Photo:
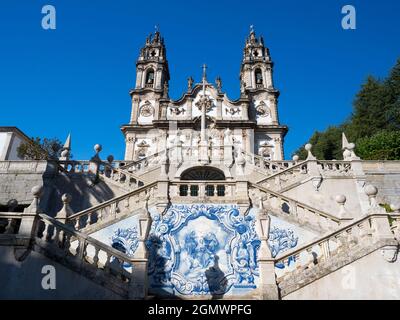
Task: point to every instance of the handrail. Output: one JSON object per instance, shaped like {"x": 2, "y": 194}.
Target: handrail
{"x": 300, "y": 164}
{"x": 326, "y": 237}
{"x": 113, "y": 200}
{"x": 279, "y": 195}
{"x": 82, "y": 236}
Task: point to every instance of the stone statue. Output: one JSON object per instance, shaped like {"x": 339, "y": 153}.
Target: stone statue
{"x": 218, "y": 82}
{"x": 190, "y": 83}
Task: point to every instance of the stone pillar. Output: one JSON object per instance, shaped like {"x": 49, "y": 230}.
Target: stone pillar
{"x": 162, "y": 195}
{"x": 274, "y": 110}
{"x": 219, "y": 108}
{"x": 66, "y": 210}
{"x": 139, "y": 279}
{"x": 189, "y": 108}
{"x": 94, "y": 163}
{"x": 30, "y": 217}
{"x": 245, "y": 111}
{"x": 268, "y": 287}
{"x": 380, "y": 222}
{"x": 135, "y": 110}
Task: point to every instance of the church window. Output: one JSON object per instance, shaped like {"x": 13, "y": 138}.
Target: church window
{"x": 194, "y": 191}
{"x": 150, "y": 77}
{"x": 209, "y": 190}
{"x": 220, "y": 190}
{"x": 183, "y": 190}
{"x": 259, "y": 78}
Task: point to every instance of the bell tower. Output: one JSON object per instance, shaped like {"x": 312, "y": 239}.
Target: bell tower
{"x": 152, "y": 65}
{"x": 257, "y": 86}
{"x": 256, "y": 69}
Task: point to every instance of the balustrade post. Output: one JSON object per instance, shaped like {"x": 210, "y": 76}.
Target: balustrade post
{"x": 30, "y": 218}
{"x": 139, "y": 279}
{"x": 266, "y": 264}
{"x": 94, "y": 163}
{"x": 66, "y": 210}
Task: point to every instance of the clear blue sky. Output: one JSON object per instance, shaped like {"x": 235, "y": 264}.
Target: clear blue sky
{"x": 76, "y": 78}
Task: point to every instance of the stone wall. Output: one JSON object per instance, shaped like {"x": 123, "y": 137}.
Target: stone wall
{"x": 370, "y": 277}
{"x": 18, "y": 177}
{"x": 385, "y": 175}
{"x": 22, "y": 280}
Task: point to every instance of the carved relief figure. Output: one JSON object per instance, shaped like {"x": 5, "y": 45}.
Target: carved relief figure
{"x": 147, "y": 110}
{"x": 263, "y": 110}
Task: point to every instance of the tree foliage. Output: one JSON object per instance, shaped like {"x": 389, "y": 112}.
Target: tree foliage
{"x": 40, "y": 149}
{"x": 373, "y": 123}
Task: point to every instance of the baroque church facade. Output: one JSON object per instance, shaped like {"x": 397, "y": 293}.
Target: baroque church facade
{"x": 203, "y": 205}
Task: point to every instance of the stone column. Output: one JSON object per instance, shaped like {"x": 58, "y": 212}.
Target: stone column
{"x": 139, "y": 279}
{"x": 219, "y": 108}
{"x": 268, "y": 287}
{"x": 189, "y": 108}
{"x": 66, "y": 210}
{"x": 274, "y": 110}
{"x": 135, "y": 109}
{"x": 94, "y": 163}
{"x": 30, "y": 217}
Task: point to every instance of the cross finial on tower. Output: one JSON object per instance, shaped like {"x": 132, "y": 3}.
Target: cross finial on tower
{"x": 251, "y": 28}
{"x": 204, "y": 72}
{"x": 156, "y": 28}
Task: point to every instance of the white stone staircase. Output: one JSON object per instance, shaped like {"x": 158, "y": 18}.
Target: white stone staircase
{"x": 297, "y": 268}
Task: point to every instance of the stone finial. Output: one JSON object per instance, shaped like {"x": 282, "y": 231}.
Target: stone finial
{"x": 218, "y": 82}
{"x": 110, "y": 159}
{"x": 308, "y": 148}
{"x": 341, "y": 200}
{"x": 190, "y": 83}
{"x": 97, "y": 147}
{"x": 12, "y": 205}
{"x": 66, "y": 150}
{"x": 348, "y": 149}
{"x": 295, "y": 158}
{"x": 37, "y": 192}
{"x": 66, "y": 210}
{"x": 371, "y": 191}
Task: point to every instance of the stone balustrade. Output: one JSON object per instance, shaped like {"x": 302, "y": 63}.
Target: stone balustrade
{"x": 271, "y": 166}
{"x": 113, "y": 208}
{"x": 63, "y": 242}
{"x": 364, "y": 231}
{"x": 189, "y": 191}
{"x": 106, "y": 170}
{"x": 335, "y": 167}
{"x": 9, "y": 222}
{"x": 294, "y": 209}
{"x": 284, "y": 178}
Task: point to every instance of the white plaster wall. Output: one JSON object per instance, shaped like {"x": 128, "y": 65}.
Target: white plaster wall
{"x": 370, "y": 277}
{"x": 324, "y": 198}
{"x": 3, "y": 145}
{"x": 13, "y": 152}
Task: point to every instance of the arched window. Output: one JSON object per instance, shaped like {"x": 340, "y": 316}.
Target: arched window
{"x": 259, "y": 77}
{"x": 150, "y": 77}
{"x": 203, "y": 173}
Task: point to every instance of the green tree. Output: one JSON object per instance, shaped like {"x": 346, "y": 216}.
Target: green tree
{"x": 384, "y": 145}
{"x": 40, "y": 149}
{"x": 376, "y": 108}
